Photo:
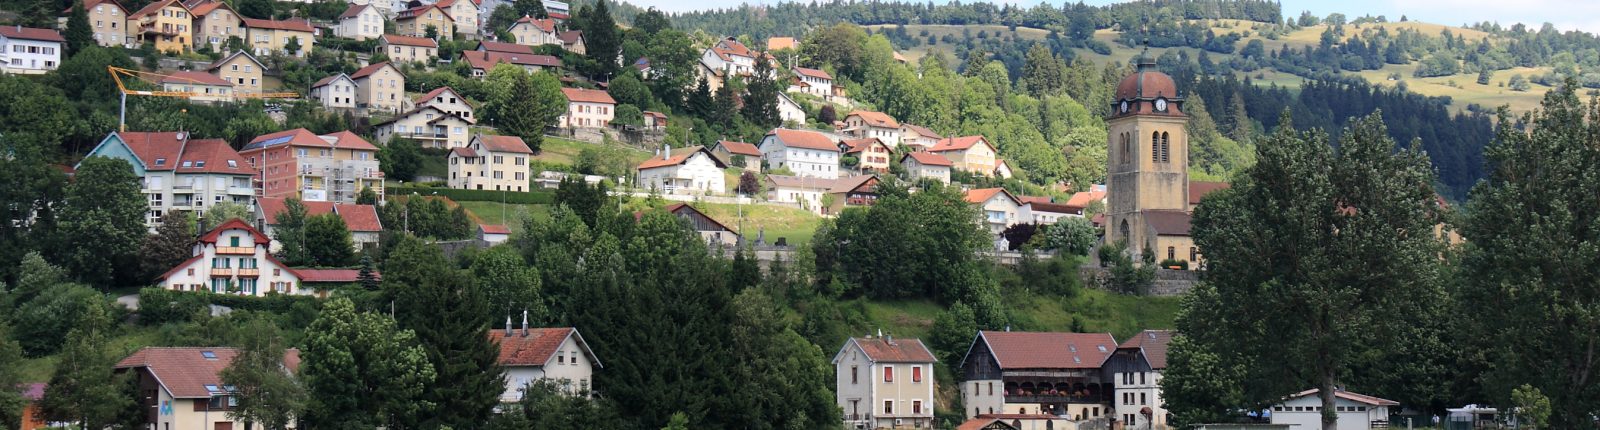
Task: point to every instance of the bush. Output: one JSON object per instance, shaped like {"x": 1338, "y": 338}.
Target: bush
{"x": 1174, "y": 264}
{"x": 521, "y": 198}
{"x": 159, "y": 306}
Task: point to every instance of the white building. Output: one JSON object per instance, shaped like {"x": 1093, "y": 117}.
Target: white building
{"x": 1135, "y": 371}
{"x": 804, "y": 153}
{"x": 29, "y": 51}
{"x": 999, "y": 207}
{"x": 863, "y": 124}
{"x": 428, "y": 125}
{"x": 692, "y": 170}
{"x": 1356, "y": 411}
{"x": 360, "y": 22}
{"x": 917, "y": 137}
{"x": 180, "y": 173}
{"x": 337, "y": 91}
{"x": 884, "y": 383}
{"x": 497, "y": 163}
{"x": 1039, "y": 210}
{"x": 233, "y": 259}
{"x": 812, "y": 81}
{"x": 789, "y": 111}
{"x": 446, "y": 99}
{"x": 925, "y": 165}
{"x": 587, "y": 109}
{"x": 533, "y": 354}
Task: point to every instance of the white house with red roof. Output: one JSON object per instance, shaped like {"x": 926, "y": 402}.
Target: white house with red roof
{"x": 1355, "y": 411}
{"x": 182, "y": 388}
{"x": 730, "y": 57}
{"x": 337, "y": 91}
{"x": 917, "y": 137}
{"x": 804, "y": 153}
{"x": 532, "y": 31}
{"x": 29, "y": 51}
{"x": 408, "y": 49}
{"x": 692, "y": 170}
{"x": 1051, "y": 373}
{"x": 864, "y": 124}
{"x": 1000, "y": 207}
{"x": 871, "y": 153}
{"x": 497, "y": 163}
{"x": 493, "y": 234}
{"x": 360, "y": 22}
{"x": 738, "y": 154}
{"x": 587, "y": 108}
{"x": 970, "y": 153}
{"x": 533, "y": 354}
{"x": 362, "y": 220}
{"x": 1135, "y": 370}
{"x": 883, "y": 382}
{"x": 209, "y": 87}
{"x": 815, "y": 82}
{"x": 298, "y": 163}
{"x": 926, "y": 165}
{"x": 482, "y": 61}
{"x": 233, "y": 258}
{"x": 428, "y": 125}
{"x": 446, "y": 99}
{"x": 178, "y": 172}
{"x": 380, "y": 87}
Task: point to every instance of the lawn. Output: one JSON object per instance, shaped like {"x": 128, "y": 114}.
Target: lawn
{"x": 509, "y": 215}
{"x": 796, "y": 225}
{"x": 558, "y": 150}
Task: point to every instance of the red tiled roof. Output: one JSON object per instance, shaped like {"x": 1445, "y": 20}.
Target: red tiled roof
{"x": 1153, "y": 343}
{"x": 804, "y": 139}
{"x": 462, "y": 151}
{"x": 436, "y": 92}
{"x": 191, "y": 77}
{"x": 347, "y": 140}
{"x": 570, "y": 37}
{"x": 876, "y": 119}
{"x": 581, "y": 95}
{"x": 537, "y": 347}
{"x": 395, "y": 39}
{"x": 504, "y": 144}
{"x": 331, "y": 276}
{"x": 226, "y": 59}
{"x": 510, "y": 48}
{"x": 215, "y": 233}
{"x": 1055, "y": 208}
{"x": 1048, "y": 350}
{"x": 202, "y": 7}
{"x": 859, "y": 145}
{"x": 288, "y": 25}
{"x": 921, "y": 131}
{"x": 1168, "y": 222}
{"x": 557, "y": 15}
{"x": 353, "y": 11}
{"x": 203, "y": 155}
{"x": 16, "y": 32}
{"x": 815, "y": 73}
{"x": 681, "y": 156}
{"x": 153, "y": 7}
{"x": 183, "y": 265}
{"x": 927, "y": 159}
{"x": 1033, "y": 199}
{"x": 1199, "y": 189}
{"x": 90, "y": 4}
{"x": 1359, "y": 398}
{"x": 730, "y": 46}
{"x": 984, "y": 194}
{"x": 494, "y": 229}
{"x": 544, "y": 25}
{"x": 1083, "y": 198}
{"x": 487, "y": 59}
{"x": 297, "y": 137}
{"x": 369, "y": 70}
{"x": 186, "y": 371}
{"x": 739, "y": 148}
{"x": 958, "y": 143}
{"x": 412, "y": 13}
{"x": 211, "y": 156}
{"x": 881, "y": 350}
{"x": 357, "y": 218}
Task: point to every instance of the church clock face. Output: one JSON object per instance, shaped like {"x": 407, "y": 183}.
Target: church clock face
{"x": 1124, "y": 106}
{"x": 1161, "y": 105}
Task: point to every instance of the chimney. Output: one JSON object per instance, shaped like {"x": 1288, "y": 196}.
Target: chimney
{"x": 524, "y": 323}
{"x": 508, "y": 324}
{"x": 880, "y": 333}
{"x": 889, "y": 339}
{"x": 666, "y": 151}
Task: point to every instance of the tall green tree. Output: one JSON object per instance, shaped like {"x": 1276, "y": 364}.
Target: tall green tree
{"x": 104, "y": 207}
{"x": 509, "y": 283}
{"x": 401, "y": 159}
{"x": 361, "y": 371}
{"x": 78, "y": 33}
{"x": 222, "y": 212}
{"x": 526, "y": 104}
{"x": 267, "y": 393}
{"x": 789, "y": 378}
{"x": 451, "y": 318}
{"x": 328, "y": 241}
{"x": 1530, "y": 264}
{"x": 761, "y": 95}
{"x": 172, "y": 243}
{"x": 33, "y": 121}
{"x": 83, "y": 388}
{"x": 602, "y": 41}
{"x": 1335, "y": 251}
{"x": 1042, "y": 72}
{"x": 290, "y": 232}
{"x": 11, "y": 400}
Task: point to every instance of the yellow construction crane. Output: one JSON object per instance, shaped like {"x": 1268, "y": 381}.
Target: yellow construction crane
{"x": 157, "y": 78}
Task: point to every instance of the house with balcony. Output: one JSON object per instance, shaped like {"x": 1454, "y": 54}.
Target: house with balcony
{"x": 335, "y": 92}
{"x": 871, "y": 154}
{"x": 446, "y": 99}
{"x": 30, "y": 51}
{"x": 883, "y": 382}
{"x": 428, "y": 125}
{"x": 1043, "y": 373}
{"x": 804, "y": 153}
{"x": 925, "y": 165}
{"x": 242, "y": 70}
{"x": 416, "y": 21}
{"x": 863, "y": 124}
{"x": 211, "y": 89}
{"x": 587, "y": 108}
{"x": 482, "y": 61}
{"x": 1135, "y": 370}
{"x": 177, "y": 172}
{"x": 715, "y": 233}
{"x": 999, "y": 206}
{"x": 556, "y": 354}
{"x": 360, "y": 22}
{"x": 110, "y": 20}
{"x": 970, "y": 153}
{"x": 182, "y": 388}
{"x": 269, "y": 36}
{"x": 738, "y": 154}
{"x": 408, "y": 49}
{"x": 169, "y": 24}
{"x": 464, "y": 14}
{"x": 214, "y": 22}
{"x": 380, "y": 87}
{"x": 298, "y": 163}
{"x": 918, "y": 138}
{"x": 362, "y": 221}
{"x": 812, "y": 81}
{"x": 490, "y": 162}
{"x": 233, "y": 259}
{"x": 530, "y": 31}
{"x": 692, "y": 170}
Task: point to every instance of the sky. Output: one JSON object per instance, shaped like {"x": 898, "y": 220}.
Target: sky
{"x": 1565, "y": 14}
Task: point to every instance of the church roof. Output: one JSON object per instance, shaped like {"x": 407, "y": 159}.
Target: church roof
{"x": 1168, "y": 222}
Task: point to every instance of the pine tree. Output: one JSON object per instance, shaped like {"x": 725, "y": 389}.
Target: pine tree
{"x": 290, "y": 233}
{"x": 1239, "y": 123}
{"x": 366, "y": 277}
{"x": 601, "y": 39}
{"x": 761, "y": 96}
{"x": 699, "y": 101}
{"x": 451, "y": 319}
{"x": 1042, "y": 72}
{"x": 724, "y": 109}
{"x": 79, "y": 35}
{"x": 11, "y": 401}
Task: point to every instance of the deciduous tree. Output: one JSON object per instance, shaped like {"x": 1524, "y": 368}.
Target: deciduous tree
{"x": 104, "y": 207}
{"x": 84, "y": 388}
{"x": 360, "y": 371}
{"x": 290, "y": 233}
{"x": 267, "y": 393}
{"x": 172, "y": 243}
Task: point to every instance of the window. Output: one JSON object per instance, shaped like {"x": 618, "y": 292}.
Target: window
{"x": 1155, "y": 146}
{"x": 916, "y": 407}
{"x": 1143, "y": 400}
{"x": 1141, "y": 374}
{"x": 888, "y": 407}
{"x": 916, "y": 373}
{"x": 1166, "y": 148}
{"x": 561, "y": 359}
{"x": 1172, "y": 254}
{"x": 1194, "y": 254}
{"x": 888, "y": 374}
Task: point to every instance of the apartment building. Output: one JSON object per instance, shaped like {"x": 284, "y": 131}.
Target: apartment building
{"x": 180, "y": 173}
{"x": 587, "y": 108}
{"x": 497, "y": 163}
{"x": 883, "y": 382}
{"x": 215, "y": 22}
{"x": 298, "y": 163}
{"x": 29, "y": 50}
{"x": 169, "y": 24}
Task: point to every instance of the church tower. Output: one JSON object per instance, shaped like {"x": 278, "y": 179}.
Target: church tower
{"x": 1147, "y": 157}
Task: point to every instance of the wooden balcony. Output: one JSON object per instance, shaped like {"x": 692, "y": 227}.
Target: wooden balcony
{"x": 236, "y": 250}
{"x": 249, "y": 273}
{"x": 221, "y": 272}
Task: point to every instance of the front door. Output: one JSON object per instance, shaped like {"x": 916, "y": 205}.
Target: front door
{"x": 224, "y": 426}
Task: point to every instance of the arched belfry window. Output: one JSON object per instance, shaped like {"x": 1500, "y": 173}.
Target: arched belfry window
{"x": 1166, "y": 148}
{"x": 1155, "y": 146}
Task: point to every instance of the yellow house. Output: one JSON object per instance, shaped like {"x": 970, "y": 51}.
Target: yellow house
{"x": 408, "y": 49}
{"x": 109, "y": 18}
{"x": 271, "y": 36}
{"x": 970, "y": 153}
{"x": 182, "y": 388}
{"x": 380, "y": 87}
{"x": 240, "y": 69}
{"x": 530, "y": 31}
{"x": 215, "y": 22}
{"x": 415, "y": 21}
{"x": 166, "y": 23}
{"x": 465, "y": 16}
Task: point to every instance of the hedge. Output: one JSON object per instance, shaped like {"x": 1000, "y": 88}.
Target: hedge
{"x": 521, "y": 198}
{"x": 159, "y": 305}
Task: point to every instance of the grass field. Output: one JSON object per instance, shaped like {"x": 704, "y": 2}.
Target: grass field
{"x": 1099, "y": 311}
{"x": 797, "y": 225}
{"x": 565, "y": 151}
{"x": 509, "y": 215}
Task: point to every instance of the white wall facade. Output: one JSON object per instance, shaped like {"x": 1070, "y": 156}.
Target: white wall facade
{"x": 1306, "y": 413}
{"x": 341, "y": 93}
{"x": 29, "y": 57}
{"x": 987, "y": 396}
{"x": 235, "y": 264}
{"x": 569, "y": 365}
{"x": 587, "y": 115}
{"x": 697, "y": 175}
{"x": 367, "y": 24}
{"x": 816, "y": 163}
{"x": 1135, "y": 391}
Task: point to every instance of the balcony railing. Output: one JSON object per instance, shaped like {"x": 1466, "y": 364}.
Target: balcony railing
{"x": 1041, "y": 398}
{"x": 235, "y": 250}
{"x": 249, "y": 273}
{"x": 221, "y": 272}
{"x": 423, "y": 135}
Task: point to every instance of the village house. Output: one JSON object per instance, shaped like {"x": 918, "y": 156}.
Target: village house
{"x": 337, "y": 91}
{"x": 692, "y": 170}
{"x": 182, "y": 388}
{"x": 918, "y": 138}
{"x": 360, "y": 22}
{"x": 416, "y": 21}
{"x": 1355, "y": 411}
{"x": 233, "y": 259}
{"x": 408, "y": 49}
{"x": 430, "y": 126}
{"x": 715, "y": 233}
{"x": 1037, "y": 373}
{"x": 241, "y": 69}
{"x": 384, "y": 7}
{"x": 1135, "y": 370}
{"x": 803, "y": 153}
{"x": 482, "y": 62}
{"x": 271, "y": 36}
{"x": 1042, "y": 211}
{"x": 530, "y": 355}
{"x": 587, "y": 109}
{"x": 214, "y": 22}
{"x": 180, "y": 173}
{"x": 362, "y": 220}
{"x": 29, "y": 51}
{"x": 654, "y": 120}
{"x": 738, "y": 154}
{"x": 531, "y": 31}
{"x": 490, "y": 162}
{"x": 790, "y": 112}
{"x": 380, "y": 87}
{"x": 331, "y": 167}
{"x": 864, "y": 124}
{"x": 823, "y": 196}
{"x": 210, "y": 88}
{"x": 728, "y": 57}
{"x": 110, "y": 20}
{"x": 506, "y": 47}
{"x": 1002, "y": 169}
{"x": 883, "y": 382}
{"x": 973, "y": 154}
{"x": 572, "y": 41}
{"x": 446, "y": 99}
{"x": 999, "y": 207}
{"x": 870, "y": 153}
{"x": 858, "y": 190}
{"x": 464, "y": 14}
{"x": 493, "y": 234}
{"x": 166, "y": 23}
{"x": 926, "y": 165}
{"x": 812, "y": 81}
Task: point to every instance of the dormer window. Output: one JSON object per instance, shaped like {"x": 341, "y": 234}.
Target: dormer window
{"x": 234, "y": 164}
{"x": 161, "y": 161}
{"x": 188, "y": 164}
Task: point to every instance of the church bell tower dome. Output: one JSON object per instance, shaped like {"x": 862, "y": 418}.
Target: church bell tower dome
{"x": 1147, "y": 91}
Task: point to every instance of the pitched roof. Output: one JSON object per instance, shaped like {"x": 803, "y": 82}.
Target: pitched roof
{"x": 927, "y": 159}
{"x": 679, "y": 157}
{"x": 155, "y": 6}
{"x": 984, "y": 194}
{"x": 815, "y": 73}
{"x": 358, "y": 218}
{"x": 436, "y": 92}
{"x": 1153, "y": 343}
{"x": 859, "y": 145}
{"x": 216, "y": 233}
{"x": 1359, "y": 398}
{"x": 921, "y": 131}
{"x": 1055, "y": 208}
{"x": 192, "y": 372}
{"x": 581, "y": 95}
{"x": 804, "y": 139}
{"x": 331, "y": 276}
{"x": 739, "y": 148}
{"x": 370, "y": 69}
{"x": 886, "y": 350}
{"x": 462, "y": 151}
{"x": 229, "y": 58}
{"x": 847, "y": 183}
{"x": 1083, "y": 198}
{"x": 503, "y": 144}
{"x": 353, "y": 11}
{"x": 570, "y": 36}
{"x": 1048, "y": 350}
{"x": 511, "y": 48}
{"x": 1199, "y": 189}
{"x": 488, "y": 59}
{"x": 494, "y": 229}
{"x": 729, "y": 46}
{"x": 192, "y": 77}
{"x": 983, "y": 423}
{"x": 413, "y": 13}
{"x": 875, "y": 119}
{"x": 1167, "y": 222}
{"x": 836, "y": 185}
{"x": 442, "y": 115}
{"x": 448, "y": 3}
{"x": 958, "y": 143}
{"x": 680, "y": 208}
{"x": 211, "y": 156}
{"x": 90, "y": 4}
{"x": 545, "y": 25}
{"x": 537, "y": 346}
{"x": 174, "y": 149}
{"x": 776, "y": 43}
{"x": 288, "y": 24}
{"x": 328, "y": 80}
{"x": 395, "y": 39}
{"x": 202, "y": 7}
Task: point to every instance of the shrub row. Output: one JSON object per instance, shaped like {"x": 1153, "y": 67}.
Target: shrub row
{"x": 521, "y": 198}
